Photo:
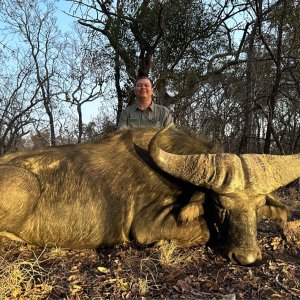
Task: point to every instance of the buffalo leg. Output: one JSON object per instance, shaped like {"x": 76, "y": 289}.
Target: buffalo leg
{"x": 167, "y": 227}
{"x": 20, "y": 190}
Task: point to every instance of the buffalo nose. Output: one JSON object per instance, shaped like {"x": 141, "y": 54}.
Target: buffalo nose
{"x": 244, "y": 256}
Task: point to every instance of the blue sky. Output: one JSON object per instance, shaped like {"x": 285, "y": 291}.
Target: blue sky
{"x": 64, "y": 21}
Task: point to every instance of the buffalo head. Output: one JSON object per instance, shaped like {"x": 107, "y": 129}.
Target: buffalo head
{"x": 242, "y": 184}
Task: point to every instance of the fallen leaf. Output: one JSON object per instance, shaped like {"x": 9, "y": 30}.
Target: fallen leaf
{"x": 103, "y": 270}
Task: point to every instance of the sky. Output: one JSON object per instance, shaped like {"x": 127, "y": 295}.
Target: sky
{"x": 64, "y": 21}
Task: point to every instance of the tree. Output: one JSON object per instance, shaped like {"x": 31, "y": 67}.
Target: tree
{"x": 277, "y": 60}
{"x": 228, "y": 69}
{"x": 173, "y": 41}
{"x": 34, "y": 27}
{"x": 82, "y": 78}
{"x": 264, "y": 84}
{"x": 18, "y": 99}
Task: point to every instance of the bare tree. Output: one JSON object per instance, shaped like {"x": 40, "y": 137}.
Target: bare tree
{"x": 82, "y": 78}
{"x": 275, "y": 21}
{"x": 19, "y": 94}
{"x": 265, "y": 84}
{"x": 34, "y": 27}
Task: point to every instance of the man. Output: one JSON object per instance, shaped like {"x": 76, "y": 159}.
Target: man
{"x": 144, "y": 112}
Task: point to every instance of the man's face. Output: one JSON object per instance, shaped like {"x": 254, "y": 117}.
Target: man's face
{"x": 143, "y": 89}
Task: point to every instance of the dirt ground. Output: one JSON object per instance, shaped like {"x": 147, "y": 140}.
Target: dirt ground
{"x": 165, "y": 272}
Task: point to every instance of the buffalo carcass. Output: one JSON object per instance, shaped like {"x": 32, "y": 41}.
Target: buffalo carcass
{"x": 111, "y": 192}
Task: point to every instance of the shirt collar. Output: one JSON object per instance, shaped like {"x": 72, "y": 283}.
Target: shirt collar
{"x": 151, "y": 107}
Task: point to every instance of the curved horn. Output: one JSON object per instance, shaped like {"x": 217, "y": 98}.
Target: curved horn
{"x": 266, "y": 173}
{"x": 228, "y": 173}
{"x": 220, "y": 172}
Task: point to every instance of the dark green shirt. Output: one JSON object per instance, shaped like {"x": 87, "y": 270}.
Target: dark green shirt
{"x": 154, "y": 116}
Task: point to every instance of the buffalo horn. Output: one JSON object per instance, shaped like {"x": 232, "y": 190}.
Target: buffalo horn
{"x": 228, "y": 173}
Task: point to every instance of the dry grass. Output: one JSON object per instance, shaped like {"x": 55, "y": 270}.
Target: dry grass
{"x": 163, "y": 272}
{"x": 24, "y": 277}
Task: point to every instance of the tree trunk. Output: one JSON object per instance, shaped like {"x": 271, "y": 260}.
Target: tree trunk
{"x": 118, "y": 86}
{"x": 80, "y": 124}
{"x": 249, "y": 98}
{"x": 276, "y": 86}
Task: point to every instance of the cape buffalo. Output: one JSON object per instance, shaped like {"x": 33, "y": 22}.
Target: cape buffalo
{"x": 116, "y": 190}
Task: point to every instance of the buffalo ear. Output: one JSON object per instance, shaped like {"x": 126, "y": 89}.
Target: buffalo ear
{"x": 274, "y": 210}
{"x": 193, "y": 209}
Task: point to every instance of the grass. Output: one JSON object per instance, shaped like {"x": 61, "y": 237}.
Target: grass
{"x": 19, "y": 277}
